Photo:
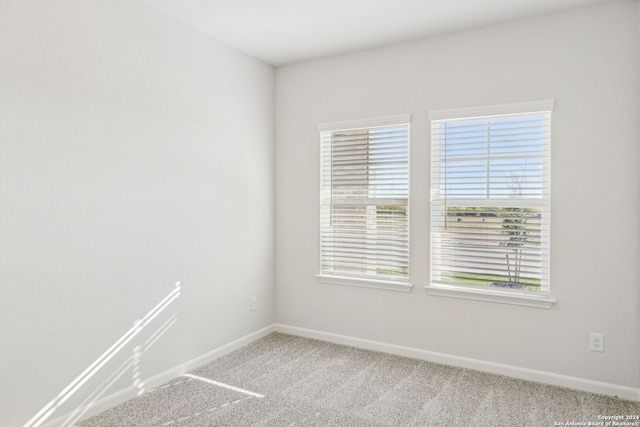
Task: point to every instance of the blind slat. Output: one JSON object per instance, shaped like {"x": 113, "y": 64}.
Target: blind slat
{"x": 489, "y": 201}
{"x": 364, "y": 202}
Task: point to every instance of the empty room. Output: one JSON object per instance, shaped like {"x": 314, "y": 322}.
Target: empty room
{"x": 306, "y": 213}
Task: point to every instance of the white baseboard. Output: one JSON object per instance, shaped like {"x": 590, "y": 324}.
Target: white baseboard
{"x": 162, "y": 378}
{"x": 575, "y": 383}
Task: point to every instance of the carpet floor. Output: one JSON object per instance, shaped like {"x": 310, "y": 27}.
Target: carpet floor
{"x": 284, "y": 380}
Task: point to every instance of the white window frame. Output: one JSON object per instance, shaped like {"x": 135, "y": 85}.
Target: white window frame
{"x": 538, "y": 299}
{"x": 369, "y": 280}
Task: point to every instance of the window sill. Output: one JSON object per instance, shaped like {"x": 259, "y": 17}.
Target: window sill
{"x": 365, "y": 283}
{"x": 491, "y": 296}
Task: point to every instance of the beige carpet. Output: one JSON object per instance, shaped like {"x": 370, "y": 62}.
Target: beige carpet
{"x": 283, "y": 380}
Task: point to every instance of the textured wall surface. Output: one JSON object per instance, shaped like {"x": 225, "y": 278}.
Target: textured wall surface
{"x": 134, "y": 153}
{"x": 585, "y": 59}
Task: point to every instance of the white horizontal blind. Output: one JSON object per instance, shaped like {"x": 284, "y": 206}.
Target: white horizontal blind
{"x": 364, "y": 216}
{"x": 490, "y": 201}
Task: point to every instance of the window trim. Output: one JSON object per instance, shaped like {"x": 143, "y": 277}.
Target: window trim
{"x": 492, "y": 110}
{"x": 364, "y": 123}
{"x": 505, "y": 296}
{"x": 491, "y": 295}
{"x": 363, "y": 281}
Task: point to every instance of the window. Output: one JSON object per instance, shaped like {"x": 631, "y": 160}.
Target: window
{"x": 490, "y": 199}
{"x": 364, "y": 198}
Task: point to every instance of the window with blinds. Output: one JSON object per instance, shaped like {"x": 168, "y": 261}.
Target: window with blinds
{"x": 364, "y": 197}
{"x": 490, "y": 198}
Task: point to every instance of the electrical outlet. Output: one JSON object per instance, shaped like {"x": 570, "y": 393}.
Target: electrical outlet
{"x": 596, "y": 342}
{"x": 254, "y": 303}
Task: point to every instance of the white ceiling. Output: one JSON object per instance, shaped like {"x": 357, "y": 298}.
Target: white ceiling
{"x": 281, "y": 32}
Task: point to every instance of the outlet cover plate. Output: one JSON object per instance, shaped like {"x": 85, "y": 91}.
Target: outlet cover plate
{"x": 596, "y": 342}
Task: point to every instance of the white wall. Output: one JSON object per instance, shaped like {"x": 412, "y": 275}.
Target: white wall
{"x": 134, "y": 153}
{"x": 587, "y": 60}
